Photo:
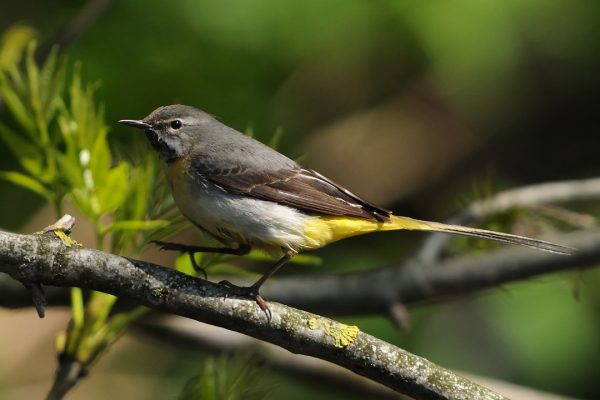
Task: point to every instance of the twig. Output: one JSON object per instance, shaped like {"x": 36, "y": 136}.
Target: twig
{"x": 69, "y": 372}
{"x": 51, "y": 262}
{"x": 64, "y": 224}
{"x": 38, "y": 297}
{"x": 398, "y": 314}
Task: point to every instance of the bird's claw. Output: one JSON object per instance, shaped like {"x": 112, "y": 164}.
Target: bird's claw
{"x": 249, "y": 291}
{"x": 168, "y": 245}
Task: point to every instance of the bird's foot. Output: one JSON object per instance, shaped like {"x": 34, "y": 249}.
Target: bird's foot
{"x": 251, "y": 292}
{"x": 184, "y": 248}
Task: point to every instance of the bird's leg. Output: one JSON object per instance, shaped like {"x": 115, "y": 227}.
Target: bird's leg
{"x": 243, "y": 249}
{"x": 253, "y": 290}
{"x": 196, "y": 267}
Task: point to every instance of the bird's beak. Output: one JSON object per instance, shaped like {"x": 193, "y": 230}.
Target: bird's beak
{"x": 135, "y": 123}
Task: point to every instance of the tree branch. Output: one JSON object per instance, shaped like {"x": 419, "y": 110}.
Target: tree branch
{"x": 47, "y": 260}
{"x": 407, "y": 283}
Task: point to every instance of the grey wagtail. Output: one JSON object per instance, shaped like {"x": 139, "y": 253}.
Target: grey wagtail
{"x": 245, "y": 194}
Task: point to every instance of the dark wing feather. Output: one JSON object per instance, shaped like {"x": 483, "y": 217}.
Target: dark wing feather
{"x": 297, "y": 187}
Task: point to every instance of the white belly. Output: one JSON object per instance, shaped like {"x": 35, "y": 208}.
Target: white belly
{"x": 240, "y": 219}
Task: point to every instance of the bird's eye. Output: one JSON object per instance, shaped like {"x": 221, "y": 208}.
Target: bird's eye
{"x": 176, "y": 124}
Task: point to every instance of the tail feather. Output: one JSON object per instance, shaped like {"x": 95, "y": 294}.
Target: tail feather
{"x": 407, "y": 223}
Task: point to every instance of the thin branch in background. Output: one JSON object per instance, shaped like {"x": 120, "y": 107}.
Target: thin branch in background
{"x": 87, "y": 16}
{"x": 412, "y": 281}
{"x": 526, "y": 196}
{"x": 49, "y": 261}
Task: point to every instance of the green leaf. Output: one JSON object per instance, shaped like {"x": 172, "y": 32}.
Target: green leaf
{"x": 34, "y": 167}
{"x": 77, "y": 322}
{"x": 112, "y": 190}
{"x": 18, "y": 109}
{"x": 183, "y": 263}
{"x": 26, "y": 182}
{"x": 100, "y": 157}
{"x": 249, "y": 131}
{"x": 16, "y": 79}
{"x": 68, "y": 130}
{"x": 70, "y": 170}
{"x": 138, "y": 201}
{"x": 82, "y": 199}
{"x": 117, "y": 324}
{"x": 35, "y": 97}
{"x": 276, "y": 138}
{"x": 77, "y": 308}
{"x": 98, "y": 309}
{"x": 52, "y": 78}
{"x": 232, "y": 377}
{"x": 168, "y": 231}
{"x": 137, "y": 225}
{"x": 46, "y": 75}
{"x": 14, "y": 40}
{"x": 20, "y": 147}
{"x": 145, "y": 176}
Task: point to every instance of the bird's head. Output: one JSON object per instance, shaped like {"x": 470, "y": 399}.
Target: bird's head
{"x": 173, "y": 130}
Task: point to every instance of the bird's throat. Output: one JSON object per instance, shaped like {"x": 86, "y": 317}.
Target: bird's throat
{"x": 167, "y": 152}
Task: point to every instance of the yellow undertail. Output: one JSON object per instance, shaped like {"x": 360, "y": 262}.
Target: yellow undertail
{"x": 321, "y": 231}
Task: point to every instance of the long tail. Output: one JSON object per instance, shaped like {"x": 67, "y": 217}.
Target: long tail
{"x": 407, "y": 223}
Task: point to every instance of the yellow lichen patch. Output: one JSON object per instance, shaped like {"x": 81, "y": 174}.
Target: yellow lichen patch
{"x": 66, "y": 239}
{"x": 342, "y": 334}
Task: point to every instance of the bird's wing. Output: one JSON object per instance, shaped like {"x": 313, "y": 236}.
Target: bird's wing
{"x": 296, "y": 187}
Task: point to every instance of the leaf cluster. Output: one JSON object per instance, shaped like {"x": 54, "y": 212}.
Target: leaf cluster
{"x": 57, "y": 132}
{"x": 232, "y": 377}
{"x": 58, "y": 135}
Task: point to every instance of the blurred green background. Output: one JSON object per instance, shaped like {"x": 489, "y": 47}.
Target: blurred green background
{"x": 420, "y": 106}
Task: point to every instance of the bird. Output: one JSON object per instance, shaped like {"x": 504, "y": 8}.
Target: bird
{"x": 247, "y": 195}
